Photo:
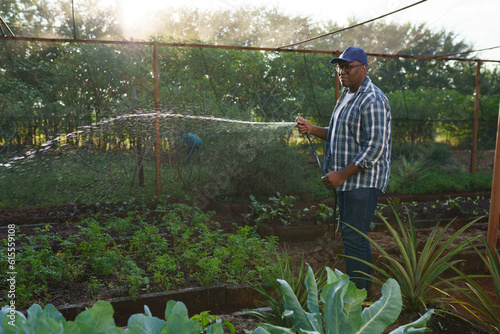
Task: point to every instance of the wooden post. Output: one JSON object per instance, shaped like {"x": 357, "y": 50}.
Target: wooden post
{"x": 475, "y": 126}
{"x": 495, "y": 196}
{"x": 157, "y": 119}
{"x": 337, "y": 79}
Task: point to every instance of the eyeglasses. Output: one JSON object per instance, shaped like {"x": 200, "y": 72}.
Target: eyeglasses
{"x": 346, "y": 68}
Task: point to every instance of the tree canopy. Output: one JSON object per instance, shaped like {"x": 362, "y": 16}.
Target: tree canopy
{"x": 51, "y": 88}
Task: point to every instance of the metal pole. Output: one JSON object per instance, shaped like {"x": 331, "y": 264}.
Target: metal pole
{"x": 157, "y": 119}
{"x": 475, "y": 126}
{"x": 495, "y": 196}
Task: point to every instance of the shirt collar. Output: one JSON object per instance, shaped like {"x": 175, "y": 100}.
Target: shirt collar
{"x": 363, "y": 88}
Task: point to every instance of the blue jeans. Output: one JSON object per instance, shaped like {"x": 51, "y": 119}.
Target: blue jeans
{"x": 191, "y": 151}
{"x": 356, "y": 208}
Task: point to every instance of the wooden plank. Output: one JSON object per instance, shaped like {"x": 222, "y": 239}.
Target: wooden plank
{"x": 492, "y": 235}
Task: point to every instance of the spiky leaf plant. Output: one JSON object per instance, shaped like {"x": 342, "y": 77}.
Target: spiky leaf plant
{"x": 417, "y": 271}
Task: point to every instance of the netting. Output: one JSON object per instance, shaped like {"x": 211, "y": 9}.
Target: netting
{"x": 114, "y": 160}
{"x": 79, "y": 126}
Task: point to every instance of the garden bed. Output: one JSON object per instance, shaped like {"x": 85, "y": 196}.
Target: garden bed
{"x": 320, "y": 246}
{"x": 218, "y": 299}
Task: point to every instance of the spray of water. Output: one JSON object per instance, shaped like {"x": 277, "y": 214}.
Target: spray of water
{"x": 115, "y": 157}
{"x": 86, "y": 129}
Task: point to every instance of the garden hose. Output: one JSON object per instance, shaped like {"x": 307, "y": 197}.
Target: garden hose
{"x": 323, "y": 173}
{"x": 316, "y": 155}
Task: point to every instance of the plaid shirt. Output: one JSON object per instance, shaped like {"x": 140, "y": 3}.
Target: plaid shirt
{"x": 362, "y": 137}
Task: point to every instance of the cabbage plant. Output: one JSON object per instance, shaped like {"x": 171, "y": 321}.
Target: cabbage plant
{"x": 99, "y": 320}
{"x": 342, "y": 309}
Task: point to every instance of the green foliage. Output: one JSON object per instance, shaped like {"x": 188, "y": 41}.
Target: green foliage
{"x": 479, "y": 303}
{"x": 406, "y": 172}
{"x": 237, "y": 157}
{"x": 342, "y": 311}
{"x": 165, "y": 270}
{"x": 147, "y": 243}
{"x": 324, "y": 212}
{"x": 125, "y": 226}
{"x": 439, "y": 182}
{"x": 99, "y": 320}
{"x": 94, "y": 247}
{"x": 417, "y": 271}
{"x": 436, "y": 154}
{"x": 281, "y": 209}
{"x": 230, "y": 256}
{"x": 142, "y": 260}
{"x": 273, "y": 298}
{"x": 209, "y": 270}
{"x": 37, "y": 266}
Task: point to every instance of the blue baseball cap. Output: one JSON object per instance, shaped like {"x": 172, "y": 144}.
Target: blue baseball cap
{"x": 351, "y": 54}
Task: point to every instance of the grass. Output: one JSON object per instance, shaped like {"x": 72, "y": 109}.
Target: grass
{"x": 439, "y": 182}
{"x": 51, "y": 179}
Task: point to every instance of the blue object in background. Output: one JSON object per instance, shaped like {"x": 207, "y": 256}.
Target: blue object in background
{"x": 194, "y": 143}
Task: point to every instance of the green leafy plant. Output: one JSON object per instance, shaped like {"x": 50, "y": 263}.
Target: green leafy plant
{"x": 125, "y": 226}
{"x": 342, "y": 310}
{"x": 93, "y": 247}
{"x": 283, "y": 207}
{"x": 208, "y": 270}
{"x": 280, "y": 209}
{"x": 147, "y": 243}
{"x": 407, "y": 171}
{"x": 165, "y": 270}
{"x": 133, "y": 276}
{"x": 273, "y": 298}
{"x": 36, "y": 266}
{"x": 417, "y": 271}
{"x": 93, "y": 286}
{"x": 213, "y": 322}
{"x": 324, "y": 212}
{"x": 259, "y": 210}
{"x": 99, "y": 320}
{"x": 243, "y": 250}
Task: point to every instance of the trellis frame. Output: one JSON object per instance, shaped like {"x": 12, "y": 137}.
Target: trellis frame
{"x": 492, "y": 235}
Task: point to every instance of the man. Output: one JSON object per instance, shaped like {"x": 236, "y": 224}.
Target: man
{"x": 357, "y": 157}
{"x": 194, "y": 143}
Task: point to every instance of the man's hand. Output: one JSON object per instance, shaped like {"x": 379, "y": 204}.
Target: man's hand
{"x": 334, "y": 179}
{"x": 303, "y": 125}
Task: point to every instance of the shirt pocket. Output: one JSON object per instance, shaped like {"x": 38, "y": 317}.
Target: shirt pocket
{"x": 351, "y": 123}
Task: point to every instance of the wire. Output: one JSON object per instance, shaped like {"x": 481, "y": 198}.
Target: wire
{"x": 470, "y": 51}
{"x": 353, "y": 26}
